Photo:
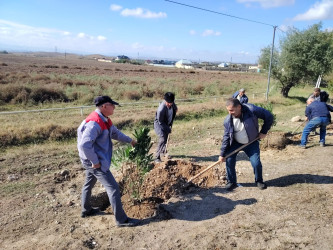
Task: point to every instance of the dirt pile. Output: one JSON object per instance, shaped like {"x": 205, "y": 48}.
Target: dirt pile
{"x": 165, "y": 180}
{"x": 276, "y": 140}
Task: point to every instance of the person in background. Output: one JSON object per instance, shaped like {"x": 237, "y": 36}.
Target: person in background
{"x": 318, "y": 115}
{"x": 319, "y": 95}
{"x": 241, "y": 127}
{"x": 164, "y": 117}
{"x": 240, "y": 95}
{"x": 94, "y": 144}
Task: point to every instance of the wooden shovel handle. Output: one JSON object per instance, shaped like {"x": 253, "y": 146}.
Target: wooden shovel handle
{"x": 214, "y": 164}
{"x": 203, "y": 171}
{"x": 166, "y": 145}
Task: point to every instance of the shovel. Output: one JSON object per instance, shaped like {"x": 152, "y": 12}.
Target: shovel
{"x": 214, "y": 164}
{"x": 166, "y": 147}
{"x": 298, "y": 127}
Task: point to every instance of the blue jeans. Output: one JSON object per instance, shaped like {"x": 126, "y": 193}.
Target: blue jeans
{"x": 111, "y": 187}
{"x": 253, "y": 152}
{"x": 316, "y": 122}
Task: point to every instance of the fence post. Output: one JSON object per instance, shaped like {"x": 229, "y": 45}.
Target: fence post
{"x": 81, "y": 111}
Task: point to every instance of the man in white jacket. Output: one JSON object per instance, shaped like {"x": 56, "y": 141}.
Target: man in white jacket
{"x": 94, "y": 143}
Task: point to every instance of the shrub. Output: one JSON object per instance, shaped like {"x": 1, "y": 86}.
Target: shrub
{"x": 135, "y": 162}
{"x": 38, "y": 134}
{"x": 51, "y": 66}
{"x": 41, "y": 78}
{"x": 132, "y": 95}
{"x": 14, "y": 94}
{"x": 269, "y": 107}
{"x": 41, "y": 95}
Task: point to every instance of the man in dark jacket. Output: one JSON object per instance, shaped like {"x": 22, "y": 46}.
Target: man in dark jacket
{"x": 241, "y": 127}
{"x": 164, "y": 117}
{"x": 318, "y": 115}
{"x": 240, "y": 95}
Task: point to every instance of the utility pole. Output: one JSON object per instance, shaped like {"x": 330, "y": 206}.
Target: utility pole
{"x": 230, "y": 64}
{"x": 270, "y": 63}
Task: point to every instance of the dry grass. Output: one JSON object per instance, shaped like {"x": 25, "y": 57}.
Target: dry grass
{"x": 77, "y": 82}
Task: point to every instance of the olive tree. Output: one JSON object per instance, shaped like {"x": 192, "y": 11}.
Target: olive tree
{"x": 265, "y": 55}
{"x": 303, "y": 56}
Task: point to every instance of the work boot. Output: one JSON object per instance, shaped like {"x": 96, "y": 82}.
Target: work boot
{"x": 92, "y": 212}
{"x": 230, "y": 186}
{"x": 261, "y": 185}
{"x": 130, "y": 222}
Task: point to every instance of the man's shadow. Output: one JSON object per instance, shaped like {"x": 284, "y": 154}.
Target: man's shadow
{"x": 200, "y": 205}
{"x": 288, "y": 180}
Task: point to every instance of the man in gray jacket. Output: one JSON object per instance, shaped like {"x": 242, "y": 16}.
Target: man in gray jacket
{"x": 164, "y": 117}
{"x": 94, "y": 143}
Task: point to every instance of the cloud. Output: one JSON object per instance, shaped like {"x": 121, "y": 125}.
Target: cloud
{"x": 211, "y": 33}
{"x": 193, "y": 32}
{"x": 81, "y": 35}
{"x": 137, "y": 46}
{"x": 15, "y": 35}
{"x": 101, "y": 38}
{"x": 319, "y": 11}
{"x": 115, "y": 7}
{"x": 268, "y": 3}
{"x": 142, "y": 13}
{"x": 284, "y": 28}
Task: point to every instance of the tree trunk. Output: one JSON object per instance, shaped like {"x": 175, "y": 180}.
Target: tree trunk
{"x": 285, "y": 90}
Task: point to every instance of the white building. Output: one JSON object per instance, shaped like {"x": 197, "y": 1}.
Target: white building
{"x": 184, "y": 64}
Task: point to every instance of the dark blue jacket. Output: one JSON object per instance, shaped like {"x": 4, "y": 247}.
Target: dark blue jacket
{"x": 318, "y": 109}
{"x": 250, "y": 115}
{"x": 243, "y": 98}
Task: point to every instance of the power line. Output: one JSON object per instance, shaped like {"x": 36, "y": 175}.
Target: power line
{"x": 245, "y": 19}
{"x": 220, "y": 13}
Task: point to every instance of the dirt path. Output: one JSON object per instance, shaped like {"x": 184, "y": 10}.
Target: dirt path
{"x": 295, "y": 212}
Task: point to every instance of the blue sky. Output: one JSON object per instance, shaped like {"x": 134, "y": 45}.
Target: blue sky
{"x": 156, "y": 28}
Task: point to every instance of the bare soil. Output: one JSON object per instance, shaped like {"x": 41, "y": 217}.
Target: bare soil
{"x": 40, "y": 188}
{"x": 295, "y": 212}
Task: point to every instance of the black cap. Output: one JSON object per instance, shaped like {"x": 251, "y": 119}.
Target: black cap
{"x": 169, "y": 97}
{"x": 100, "y": 100}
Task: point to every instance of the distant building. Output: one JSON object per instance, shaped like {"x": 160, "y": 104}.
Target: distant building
{"x": 254, "y": 68}
{"x": 122, "y": 57}
{"x": 103, "y": 60}
{"x": 184, "y": 64}
{"x": 223, "y": 65}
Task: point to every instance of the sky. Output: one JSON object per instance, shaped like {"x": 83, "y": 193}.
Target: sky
{"x": 215, "y": 30}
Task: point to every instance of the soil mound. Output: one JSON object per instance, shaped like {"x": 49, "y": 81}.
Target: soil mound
{"x": 276, "y": 140}
{"x": 165, "y": 180}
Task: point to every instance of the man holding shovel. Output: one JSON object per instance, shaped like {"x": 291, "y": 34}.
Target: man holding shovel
{"x": 241, "y": 128}
{"x": 318, "y": 115}
{"x": 164, "y": 117}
